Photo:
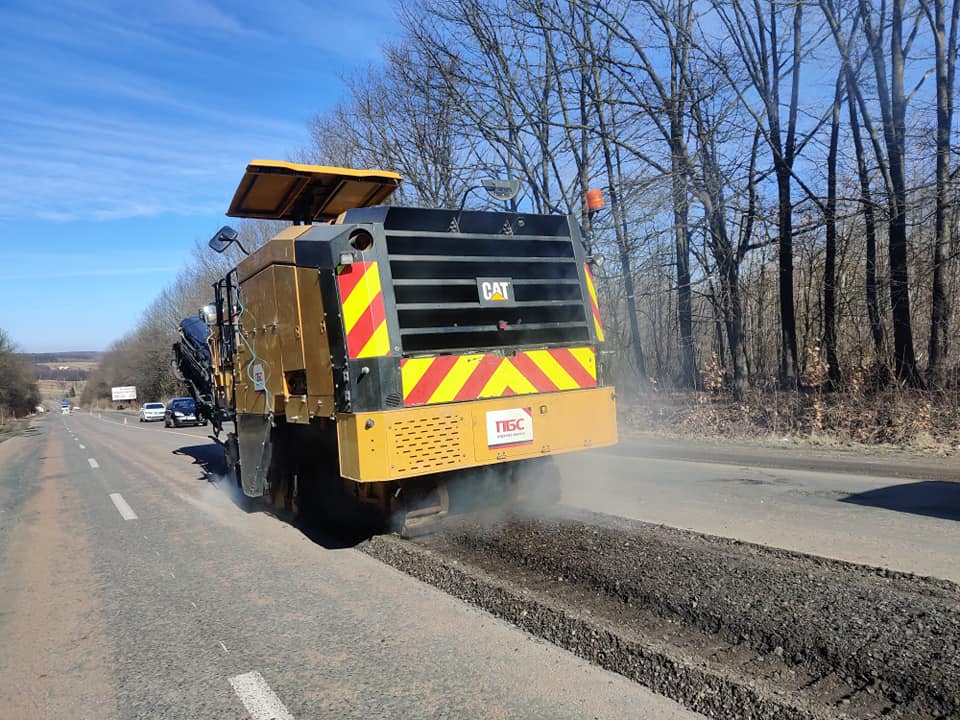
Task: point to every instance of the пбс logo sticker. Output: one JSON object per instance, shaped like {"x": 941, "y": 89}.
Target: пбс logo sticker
{"x": 509, "y": 428}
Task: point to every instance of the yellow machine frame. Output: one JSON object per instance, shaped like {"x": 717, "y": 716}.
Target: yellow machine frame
{"x": 285, "y": 369}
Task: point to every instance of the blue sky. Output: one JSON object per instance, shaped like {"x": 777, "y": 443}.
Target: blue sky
{"x": 124, "y": 129}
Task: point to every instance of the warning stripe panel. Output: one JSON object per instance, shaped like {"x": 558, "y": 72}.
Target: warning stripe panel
{"x": 364, "y": 315}
{"x": 594, "y": 303}
{"x": 479, "y": 378}
{"x": 436, "y": 369}
{"x": 454, "y": 378}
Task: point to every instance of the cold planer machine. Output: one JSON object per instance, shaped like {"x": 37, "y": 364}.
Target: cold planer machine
{"x": 398, "y": 359}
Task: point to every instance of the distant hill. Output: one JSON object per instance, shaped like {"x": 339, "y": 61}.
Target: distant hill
{"x": 64, "y": 358}
{"x": 62, "y": 375}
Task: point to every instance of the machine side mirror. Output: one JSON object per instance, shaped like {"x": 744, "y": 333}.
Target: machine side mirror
{"x": 223, "y": 239}
{"x": 208, "y": 313}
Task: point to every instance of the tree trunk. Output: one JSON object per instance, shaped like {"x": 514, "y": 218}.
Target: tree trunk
{"x": 869, "y": 229}
{"x": 679, "y": 42}
{"x": 830, "y": 265}
{"x": 728, "y": 270}
{"x": 788, "y": 318}
{"x": 689, "y": 375}
{"x": 893, "y": 108}
{"x": 939, "y": 303}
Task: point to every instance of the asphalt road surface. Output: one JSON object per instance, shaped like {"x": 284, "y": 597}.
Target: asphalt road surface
{"x": 136, "y": 584}
{"x": 131, "y": 586}
{"x": 887, "y": 510}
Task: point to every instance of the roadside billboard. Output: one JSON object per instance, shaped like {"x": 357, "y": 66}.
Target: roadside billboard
{"x": 126, "y": 392}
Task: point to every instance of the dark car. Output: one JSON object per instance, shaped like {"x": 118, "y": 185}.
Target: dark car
{"x": 180, "y": 412}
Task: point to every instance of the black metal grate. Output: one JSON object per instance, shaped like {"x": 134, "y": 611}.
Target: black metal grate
{"x": 438, "y": 305}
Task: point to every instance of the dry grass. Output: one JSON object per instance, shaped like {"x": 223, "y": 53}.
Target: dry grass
{"x": 914, "y": 420}
{"x": 12, "y": 427}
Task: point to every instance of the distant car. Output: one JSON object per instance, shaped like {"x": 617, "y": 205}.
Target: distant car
{"x": 180, "y": 412}
{"x": 151, "y": 411}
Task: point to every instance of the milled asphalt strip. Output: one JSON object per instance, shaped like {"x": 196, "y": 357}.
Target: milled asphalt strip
{"x": 257, "y": 697}
{"x": 126, "y": 512}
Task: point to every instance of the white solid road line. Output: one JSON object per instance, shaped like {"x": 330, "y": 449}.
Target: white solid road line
{"x": 93, "y": 463}
{"x": 165, "y": 431}
{"x": 125, "y": 510}
{"x": 257, "y": 697}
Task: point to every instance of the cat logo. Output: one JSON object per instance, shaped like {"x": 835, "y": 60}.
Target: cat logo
{"x": 495, "y": 291}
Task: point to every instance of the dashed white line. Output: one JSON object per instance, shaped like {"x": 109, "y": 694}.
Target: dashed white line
{"x": 83, "y": 447}
{"x": 257, "y": 697}
{"x": 126, "y": 512}
{"x": 93, "y": 463}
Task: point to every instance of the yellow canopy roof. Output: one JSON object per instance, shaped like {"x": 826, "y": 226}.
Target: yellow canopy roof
{"x": 276, "y": 190}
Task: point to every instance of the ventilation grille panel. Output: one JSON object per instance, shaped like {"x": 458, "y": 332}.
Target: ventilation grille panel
{"x": 426, "y": 445}
{"x": 438, "y": 306}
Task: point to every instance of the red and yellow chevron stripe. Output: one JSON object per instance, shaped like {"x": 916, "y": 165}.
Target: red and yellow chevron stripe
{"x": 452, "y": 378}
{"x": 364, "y": 317}
{"x": 594, "y": 304}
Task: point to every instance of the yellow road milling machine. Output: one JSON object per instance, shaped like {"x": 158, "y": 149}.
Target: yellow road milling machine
{"x": 396, "y": 362}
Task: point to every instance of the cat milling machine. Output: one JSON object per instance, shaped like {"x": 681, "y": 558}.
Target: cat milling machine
{"x": 396, "y": 362}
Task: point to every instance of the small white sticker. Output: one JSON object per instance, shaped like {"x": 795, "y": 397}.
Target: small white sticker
{"x": 259, "y": 382}
{"x": 509, "y": 428}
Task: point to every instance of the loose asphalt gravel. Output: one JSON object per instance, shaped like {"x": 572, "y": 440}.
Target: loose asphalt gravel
{"x": 730, "y": 629}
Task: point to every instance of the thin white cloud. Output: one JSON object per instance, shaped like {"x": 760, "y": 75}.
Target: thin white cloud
{"x": 74, "y": 164}
{"x": 199, "y": 13}
{"x": 99, "y": 132}
{"x": 114, "y": 111}
{"x": 44, "y": 26}
{"x": 344, "y": 29}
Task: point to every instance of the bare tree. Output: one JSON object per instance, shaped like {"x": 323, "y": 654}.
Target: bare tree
{"x": 769, "y": 54}
{"x": 946, "y": 56}
{"x": 674, "y": 20}
{"x": 724, "y": 234}
{"x": 725, "y": 255}
{"x": 602, "y": 107}
{"x": 830, "y": 264}
{"x": 869, "y": 224}
{"x": 402, "y": 117}
{"x": 892, "y": 100}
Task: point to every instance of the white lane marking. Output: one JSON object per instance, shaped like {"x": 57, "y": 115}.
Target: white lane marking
{"x": 174, "y": 432}
{"x": 93, "y": 463}
{"x": 257, "y": 697}
{"x": 224, "y": 648}
{"x": 165, "y": 431}
{"x": 125, "y": 510}
{"x": 83, "y": 447}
